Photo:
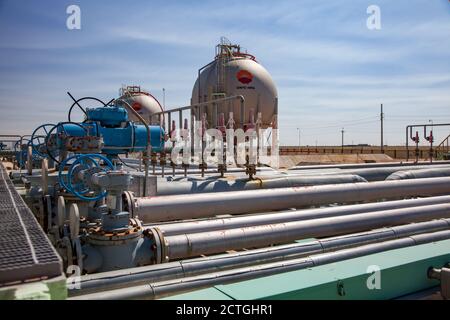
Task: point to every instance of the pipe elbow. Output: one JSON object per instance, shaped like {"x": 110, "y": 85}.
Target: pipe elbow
{"x": 400, "y": 175}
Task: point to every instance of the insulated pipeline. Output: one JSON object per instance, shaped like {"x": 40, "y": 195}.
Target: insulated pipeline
{"x": 179, "y": 207}
{"x": 369, "y": 165}
{"x": 380, "y": 174}
{"x": 176, "y": 286}
{"x": 225, "y": 185}
{"x": 292, "y": 215}
{"x": 418, "y": 174}
{"x": 196, "y": 244}
{"x": 120, "y": 278}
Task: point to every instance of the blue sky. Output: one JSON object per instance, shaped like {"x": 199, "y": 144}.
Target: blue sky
{"x": 330, "y": 70}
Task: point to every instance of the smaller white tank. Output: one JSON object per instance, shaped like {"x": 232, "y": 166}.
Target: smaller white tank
{"x": 141, "y": 101}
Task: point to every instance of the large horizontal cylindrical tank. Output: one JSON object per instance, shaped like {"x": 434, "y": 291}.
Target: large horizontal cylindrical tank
{"x": 140, "y": 100}
{"x": 235, "y": 73}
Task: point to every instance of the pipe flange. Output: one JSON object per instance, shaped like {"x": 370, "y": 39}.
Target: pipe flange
{"x": 74, "y": 221}
{"x": 61, "y": 211}
{"x": 127, "y": 202}
{"x": 158, "y": 247}
{"x": 98, "y": 236}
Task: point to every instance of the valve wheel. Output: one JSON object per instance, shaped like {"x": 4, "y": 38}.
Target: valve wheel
{"x": 77, "y": 103}
{"x": 38, "y": 139}
{"x": 90, "y": 163}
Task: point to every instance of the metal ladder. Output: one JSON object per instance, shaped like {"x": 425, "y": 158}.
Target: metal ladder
{"x": 443, "y": 149}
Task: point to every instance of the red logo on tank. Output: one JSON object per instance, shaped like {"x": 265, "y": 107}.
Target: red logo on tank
{"x": 137, "y": 106}
{"x": 244, "y": 76}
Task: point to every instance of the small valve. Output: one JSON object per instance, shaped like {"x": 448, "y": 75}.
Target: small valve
{"x": 430, "y": 138}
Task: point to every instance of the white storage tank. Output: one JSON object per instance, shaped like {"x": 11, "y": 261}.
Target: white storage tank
{"x": 237, "y": 73}
{"x": 141, "y": 101}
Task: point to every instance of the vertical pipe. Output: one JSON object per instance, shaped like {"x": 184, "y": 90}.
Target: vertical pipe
{"x": 180, "y": 120}
{"x": 431, "y": 146}
{"x": 407, "y": 149}
{"x": 242, "y": 117}
{"x": 169, "y": 115}
{"x": 30, "y": 160}
{"x": 381, "y": 120}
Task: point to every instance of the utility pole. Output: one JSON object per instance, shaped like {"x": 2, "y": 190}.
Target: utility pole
{"x": 381, "y": 120}
{"x": 298, "y": 129}
{"x": 342, "y": 143}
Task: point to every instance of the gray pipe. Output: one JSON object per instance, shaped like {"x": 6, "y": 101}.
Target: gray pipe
{"x": 196, "y": 244}
{"x": 176, "y": 286}
{"x": 368, "y": 165}
{"x": 115, "y": 279}
{"x": 380, "y": 174}
{"x": 297, "y": 215}
{"x": 268, "y": 180}
{"x": 178, "y": 207}
{"x": 418, "y": 174}
{"x": 224, "y": 185}
{"x": 310, "y": 177}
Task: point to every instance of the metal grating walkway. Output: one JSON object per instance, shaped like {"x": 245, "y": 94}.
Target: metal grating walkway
{"x": 25, "y": 251}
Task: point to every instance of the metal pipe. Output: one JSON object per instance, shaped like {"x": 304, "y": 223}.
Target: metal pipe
{"x": 418, "y": 174}
{"x": 206, "y": 103}
{"x": 166, "y": 288}
{"x": 406, "y": 143}
{"x": 10, "y": 136}
{"x": 178, "y": 207}
{"x": 196, "y": 244}
{"x": 29, "y": 160}
{"x": 410, "y": 127}
{"x": 278, "y": 180}
{"x": 380, "y": 174}
{"x": 225, "y": 185}
{"x": 365, "y": 165}
{"x": 173, "y": 228}
{"x": 115, "y": 279}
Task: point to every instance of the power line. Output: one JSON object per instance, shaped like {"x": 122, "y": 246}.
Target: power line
{"x": 337, "y": 125}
